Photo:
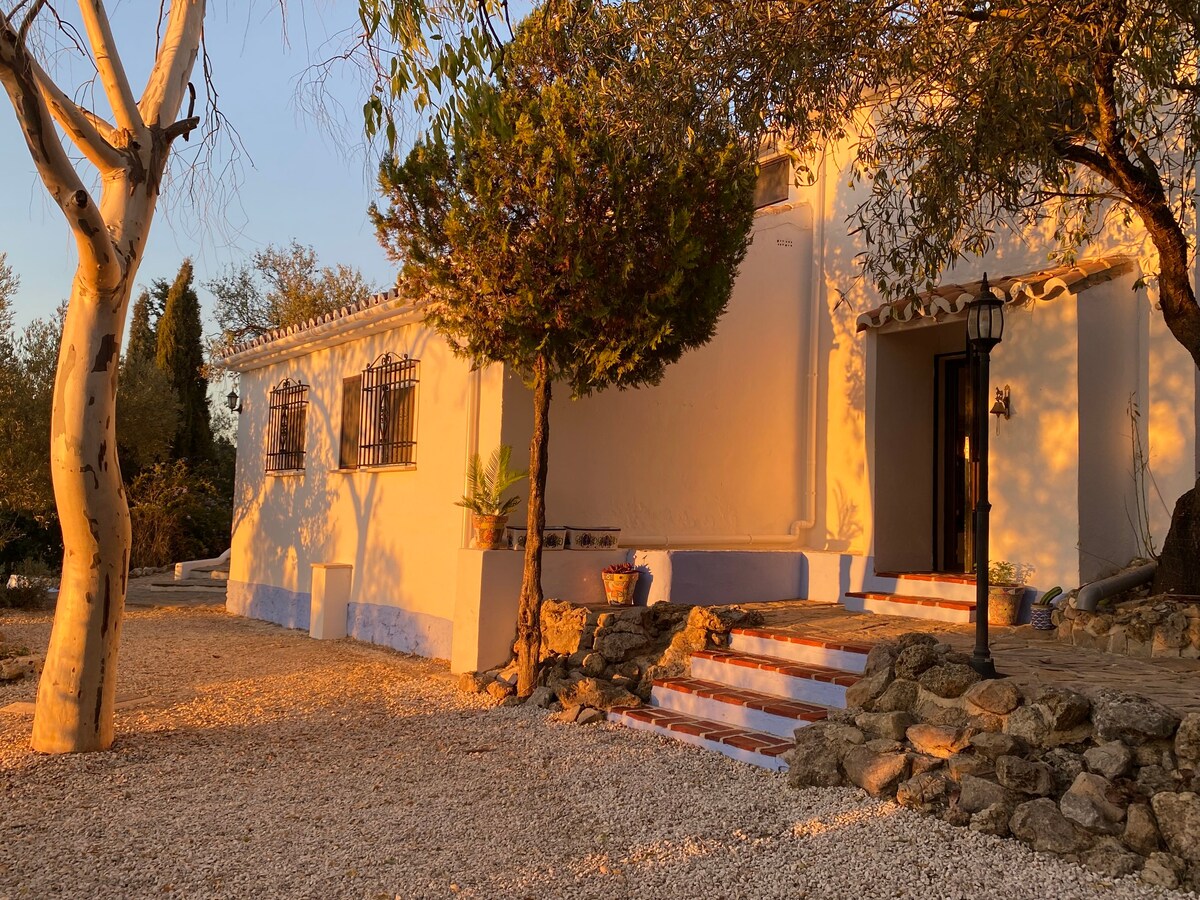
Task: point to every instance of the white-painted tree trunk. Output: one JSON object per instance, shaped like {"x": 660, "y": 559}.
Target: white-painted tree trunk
{"x": 77, "y": 693}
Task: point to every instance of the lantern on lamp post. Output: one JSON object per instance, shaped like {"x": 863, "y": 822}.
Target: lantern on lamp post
{"x": 985, "y": 327}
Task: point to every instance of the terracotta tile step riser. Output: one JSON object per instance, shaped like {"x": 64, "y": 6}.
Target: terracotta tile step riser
{"x": 961, "y": 605}
{"x": 741, "y": 738}
{"x": 806, "y": 640}
{"x": 781, "y": 666}
{"x": 776, "y": 706}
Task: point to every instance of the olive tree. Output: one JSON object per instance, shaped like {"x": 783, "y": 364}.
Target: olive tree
{"x": 127, "y": 149}
{"x": 561, "y": 233}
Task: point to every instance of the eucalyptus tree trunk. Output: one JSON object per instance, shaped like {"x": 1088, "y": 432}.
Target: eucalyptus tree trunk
{"x": 77, "y": 692}
{"x": 529, "y": 613}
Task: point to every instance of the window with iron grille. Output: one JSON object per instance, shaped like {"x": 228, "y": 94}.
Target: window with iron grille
{"x": 773, "y": 181}
{"x": 285, "y": 432}
{"x": 388, "y": 415}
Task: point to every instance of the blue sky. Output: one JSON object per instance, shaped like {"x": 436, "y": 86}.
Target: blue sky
{"x": 308, "y": 181}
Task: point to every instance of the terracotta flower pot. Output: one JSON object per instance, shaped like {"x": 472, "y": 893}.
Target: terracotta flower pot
{"x": 489, "y": 531}
{"x": 1004, "y": 604}
{"x": 619, "y": 588}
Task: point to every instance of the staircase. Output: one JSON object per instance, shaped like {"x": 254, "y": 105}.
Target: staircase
{"x": 930, "y": 596}
{"x": 747, "y": 701}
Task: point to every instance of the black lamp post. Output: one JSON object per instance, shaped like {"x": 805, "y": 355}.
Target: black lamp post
{"x": 985, "y": 327}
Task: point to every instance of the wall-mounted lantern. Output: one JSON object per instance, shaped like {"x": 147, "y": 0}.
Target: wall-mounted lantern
{"x": 232, "y": 400}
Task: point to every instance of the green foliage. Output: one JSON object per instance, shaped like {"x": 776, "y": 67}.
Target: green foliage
{"x": 282, "y": 286}
{"x": 1047, "y": 598}
{"x": 486, "y": 484}
{"x": 1002, "y": 573}
{"x": 959, "y": 121}
{"x": 148, "y": 414}
{"x": 142, "y": 342}
{"x": 27, "y": 367}
{"x": 962, "y": 122}
{"x": 177, "y": 513}
{"x": 180, "y": 356}
{"x": 26, "y": 596}
{"x": 428, "y": 52}
{"x": 560, "y": 225}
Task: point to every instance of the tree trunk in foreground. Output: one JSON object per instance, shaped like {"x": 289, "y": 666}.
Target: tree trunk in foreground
{"x": 1179, "y": 564}
{"x": 77, "y": 692}
{"x": 529, "y": 613}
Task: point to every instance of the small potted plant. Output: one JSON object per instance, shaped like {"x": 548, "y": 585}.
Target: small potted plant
{"x": 619, "y": 581}
{"x": 485, "y": 496}
{"x": 1040, "y": 614}
{"x": 1006, "y": 587}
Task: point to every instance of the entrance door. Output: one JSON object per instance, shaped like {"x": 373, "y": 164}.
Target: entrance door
{"x": 953, "y": 538}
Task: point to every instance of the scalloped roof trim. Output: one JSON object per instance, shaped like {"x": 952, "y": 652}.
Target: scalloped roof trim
{"x": 1044, "y": 285}
{"x": 276, "y": 334}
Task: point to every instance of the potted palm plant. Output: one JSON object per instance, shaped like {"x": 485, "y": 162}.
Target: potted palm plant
{"x": 486, "y": 485}
{"x": 1006, "y": 587}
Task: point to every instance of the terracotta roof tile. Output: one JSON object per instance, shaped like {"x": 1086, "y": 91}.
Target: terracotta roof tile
{"x": 284, "y": 331}
{"x": 1045, "y": 284}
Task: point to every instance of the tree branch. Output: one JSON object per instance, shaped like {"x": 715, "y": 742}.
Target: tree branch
{"x": 61, "y": 180}
{"x": 169, "y": 78}
{"x": 108, "y": 64}
{"x": 83, "y": 128}
{"x": 1087, "y": 157}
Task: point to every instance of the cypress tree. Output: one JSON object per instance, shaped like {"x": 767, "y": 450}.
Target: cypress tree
{"x": 143, "y": 342}
{"x": 180, "y": 356}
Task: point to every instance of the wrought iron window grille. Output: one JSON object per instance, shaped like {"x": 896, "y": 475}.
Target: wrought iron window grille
{"x": 285, "y": 430}
{"x": 388, "y": 416}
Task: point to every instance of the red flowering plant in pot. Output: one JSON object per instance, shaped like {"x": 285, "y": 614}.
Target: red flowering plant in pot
{"x": 485, "y": 498}
{"x": 620, "y": 580}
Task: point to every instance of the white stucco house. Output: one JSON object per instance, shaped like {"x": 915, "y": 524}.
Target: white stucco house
{"x": 815, "y": 448}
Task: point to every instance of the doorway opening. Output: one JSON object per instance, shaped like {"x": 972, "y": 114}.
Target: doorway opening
{"x": 953, "y": 484}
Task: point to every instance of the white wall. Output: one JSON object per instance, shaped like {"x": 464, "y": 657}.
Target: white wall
{"x": 718, "y": 448}
{"x": 1033, "y": 457}
{"x": 1037, "y": 486}
{"x": 397, "y": 527}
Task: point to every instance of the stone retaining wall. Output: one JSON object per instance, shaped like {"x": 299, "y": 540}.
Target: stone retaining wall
{"x": 605, "y": 656}
{"x": 1109, "y": 780}
{"x": 1143, "y": 628}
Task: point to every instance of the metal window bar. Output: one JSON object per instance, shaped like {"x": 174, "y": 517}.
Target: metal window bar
{"x": 285, "y": 432}
{"x": 387, "y": 426}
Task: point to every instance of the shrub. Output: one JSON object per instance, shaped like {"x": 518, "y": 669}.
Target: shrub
{"x": 177, "y": 513}
{"x": 32, "y": 595}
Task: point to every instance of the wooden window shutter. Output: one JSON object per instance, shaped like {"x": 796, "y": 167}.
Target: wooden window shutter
{"x": 351, "y": 404}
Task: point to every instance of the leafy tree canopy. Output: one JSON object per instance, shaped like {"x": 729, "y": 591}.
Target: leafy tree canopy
{"x": 556, "y": 222}
{"x": 561, "y": 231}
{"x": 282, "y": 286}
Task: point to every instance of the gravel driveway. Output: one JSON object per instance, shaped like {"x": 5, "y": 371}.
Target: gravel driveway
{"x": 264, "y": 764}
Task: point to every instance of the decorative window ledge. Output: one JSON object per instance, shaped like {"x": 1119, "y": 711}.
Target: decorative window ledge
{"x": 285, "y": 473}
{"x": 398, "y": 467}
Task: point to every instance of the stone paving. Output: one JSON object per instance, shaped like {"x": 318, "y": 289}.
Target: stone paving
{"x": 1029, "y": 656}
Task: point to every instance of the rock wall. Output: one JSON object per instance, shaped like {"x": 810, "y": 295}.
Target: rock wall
{"x": 1157, "y": 626}
{"x": 1111, "y": 780}
{"x": 606, "y": 656}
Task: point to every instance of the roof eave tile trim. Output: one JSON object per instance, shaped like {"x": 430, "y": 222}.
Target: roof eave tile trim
{"x": 1045, "y": 285}
{"x": 276, "y": 334}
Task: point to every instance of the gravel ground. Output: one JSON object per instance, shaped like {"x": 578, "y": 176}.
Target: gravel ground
{"x": 264, "y": 764}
